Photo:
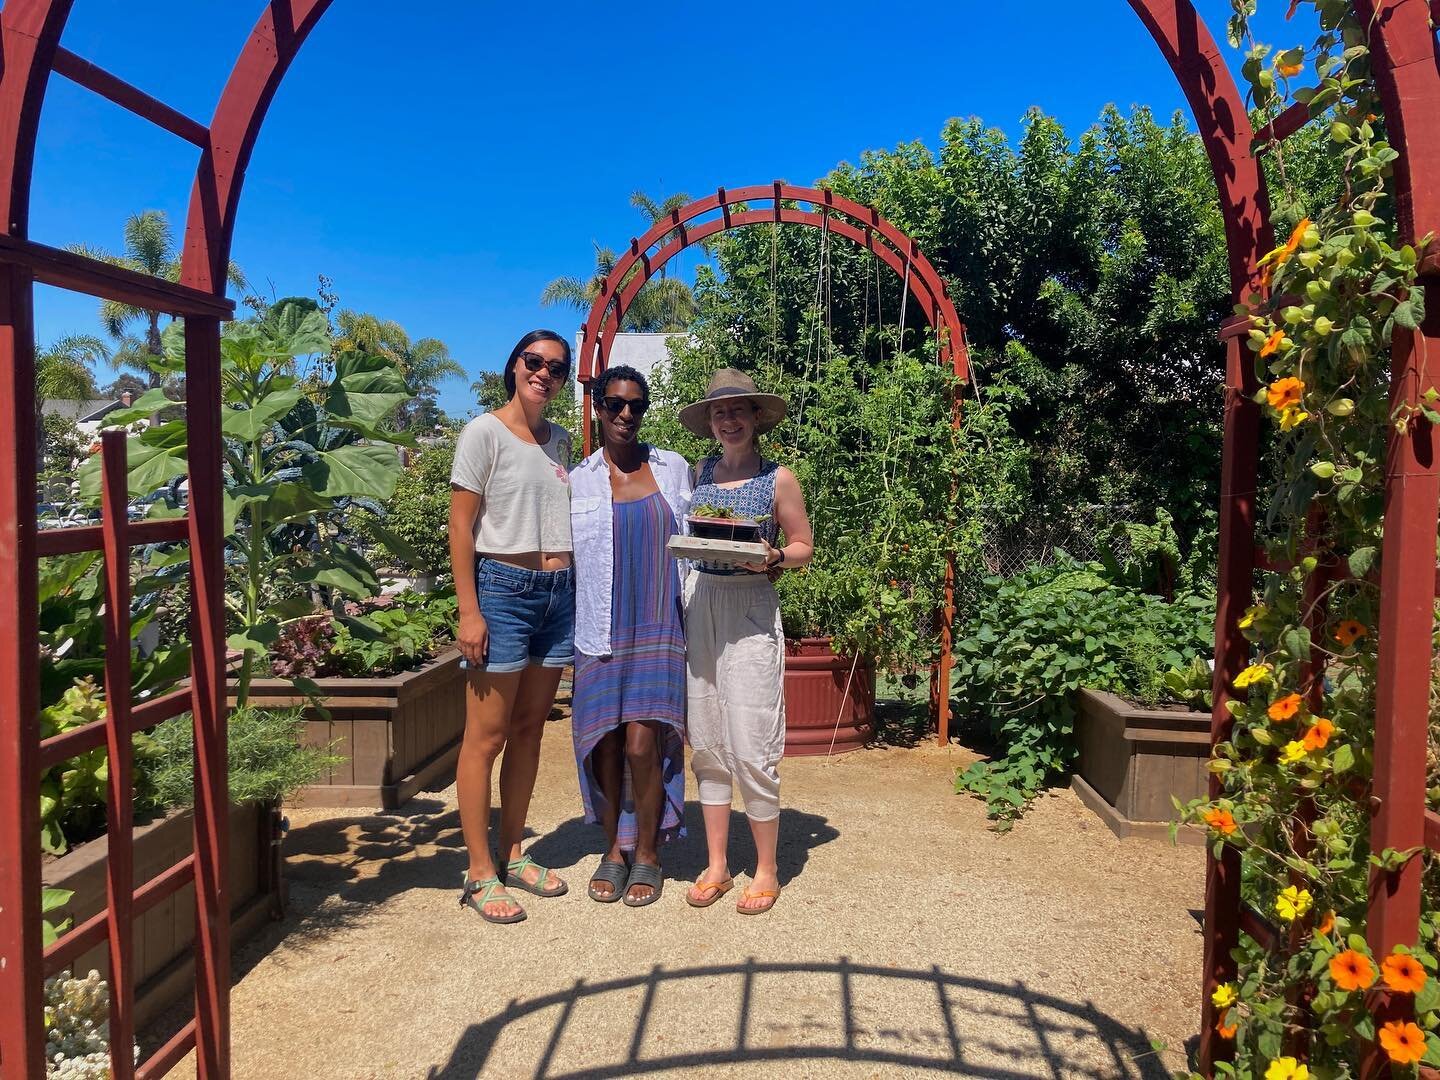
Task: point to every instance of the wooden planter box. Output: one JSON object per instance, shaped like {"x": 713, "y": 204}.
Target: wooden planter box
{"x": 1132, "y": 760}
{"x": 394, "y": 735}
{"x": 164, "y": 936}
{"x": 829, "y": 699}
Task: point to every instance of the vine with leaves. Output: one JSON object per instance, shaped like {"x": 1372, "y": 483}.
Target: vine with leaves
{"x": 1296, "y": 768}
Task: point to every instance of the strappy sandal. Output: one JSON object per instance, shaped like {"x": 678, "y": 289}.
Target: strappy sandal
{"x": 611, "y": 873}
{"x": 758, "y": 894}
{"x": 720, "y": 889}
{"x": 514, "y": 878}
{"x": 644, "y": 874}
{"x": 486, "y": 889}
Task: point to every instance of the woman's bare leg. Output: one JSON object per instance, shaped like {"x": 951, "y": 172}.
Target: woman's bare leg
{"x": 717, "y": 840}
{"x": 489, "y": 699}
{"x": 642, "y": 752}
{"x": 767, "y": 875}
{"x": 534, "y": 698}
{"x": 607, "y": 763}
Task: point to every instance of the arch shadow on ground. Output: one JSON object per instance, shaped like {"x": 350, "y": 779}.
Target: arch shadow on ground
{"x": 970, "y": 1012}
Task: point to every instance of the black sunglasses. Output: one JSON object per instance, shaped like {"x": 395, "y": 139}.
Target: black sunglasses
{"x": 616, "y": 405}
{"x": 559, "y": 370}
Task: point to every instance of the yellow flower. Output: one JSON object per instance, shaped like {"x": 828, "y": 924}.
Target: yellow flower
{"x": 1294, "y": 751}
{"x": 1224, "y": 996}
{"x": 1287, "y": 1068}
{"x": 1253, "y": 674}
{"x": 1293, "y": 902}
{"x": 1292, "y": 417}
{"x": 1248, "y": 619}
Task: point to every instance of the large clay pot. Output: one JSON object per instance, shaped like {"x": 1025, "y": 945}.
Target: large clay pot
{"x": 829, "y": 699}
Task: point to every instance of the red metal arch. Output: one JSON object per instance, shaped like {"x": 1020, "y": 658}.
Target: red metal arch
{"x": 30, "y": 30}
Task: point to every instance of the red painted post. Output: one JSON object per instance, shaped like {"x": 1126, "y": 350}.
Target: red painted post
{"x": 207, "y": 667}
{"x": 119, "y": 794}
{"x": 1403, "y": 659}
{"x": 22, "y": 1034}
{"x": 1234, "y": 589}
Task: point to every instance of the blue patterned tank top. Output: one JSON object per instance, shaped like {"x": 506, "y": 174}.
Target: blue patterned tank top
{"x": 755, "y": 498}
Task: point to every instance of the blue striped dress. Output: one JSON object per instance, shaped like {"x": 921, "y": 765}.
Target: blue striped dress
{"x": 643, "y": 678}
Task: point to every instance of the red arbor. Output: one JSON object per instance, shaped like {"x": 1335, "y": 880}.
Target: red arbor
{"x": 1409, "y": 78}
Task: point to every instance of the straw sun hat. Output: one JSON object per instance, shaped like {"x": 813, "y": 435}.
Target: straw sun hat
{"x": 730, "y": 383}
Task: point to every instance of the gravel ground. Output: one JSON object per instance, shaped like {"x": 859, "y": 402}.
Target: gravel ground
{"x": 910, "y": 940}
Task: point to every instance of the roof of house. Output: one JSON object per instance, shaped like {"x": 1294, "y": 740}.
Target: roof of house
{"x": 81, "y": 410}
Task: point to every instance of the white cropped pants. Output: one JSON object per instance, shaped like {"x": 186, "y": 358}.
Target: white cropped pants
{"x": 735, "y": 660}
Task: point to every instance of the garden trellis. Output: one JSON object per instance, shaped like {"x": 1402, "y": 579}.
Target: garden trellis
{"x": 1407, "y": 72}
{"x": 831, "y": 214}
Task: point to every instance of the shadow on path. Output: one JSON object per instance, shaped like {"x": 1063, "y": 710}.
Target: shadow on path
{"x": 1052, "y": 1025}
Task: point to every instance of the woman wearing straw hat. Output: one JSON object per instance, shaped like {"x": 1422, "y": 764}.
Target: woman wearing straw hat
{"x": 735, "y": 649}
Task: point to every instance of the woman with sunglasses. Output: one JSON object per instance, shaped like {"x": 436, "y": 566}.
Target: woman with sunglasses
{"x": 629, "y": 498}
{"x": 510, "y": 549}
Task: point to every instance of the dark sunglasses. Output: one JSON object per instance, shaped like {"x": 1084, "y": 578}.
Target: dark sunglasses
{"x": 559, "y": 370}
{"x": 616, "y": 405}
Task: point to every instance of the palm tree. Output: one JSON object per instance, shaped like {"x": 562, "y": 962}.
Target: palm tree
{"x": 658, "y": 211}
{"x": 661, "y": 306}
{"x": 63, "y": 368}
{"x": 149, "y": 249}
{"x": 425, "y": 363}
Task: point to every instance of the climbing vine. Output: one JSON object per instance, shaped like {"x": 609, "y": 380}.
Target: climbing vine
{"x": 1297, "y": 766}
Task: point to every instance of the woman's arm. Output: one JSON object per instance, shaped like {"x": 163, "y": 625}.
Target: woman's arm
{"x": 472, "y": 635}
{"x": 794, "y": 522}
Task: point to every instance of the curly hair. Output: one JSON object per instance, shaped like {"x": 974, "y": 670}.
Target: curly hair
{"x": 618, "y": 373}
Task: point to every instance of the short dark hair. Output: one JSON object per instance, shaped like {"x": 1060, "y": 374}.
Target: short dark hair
{"x": 525, "y": 343}
{"x": 618, "y": 373}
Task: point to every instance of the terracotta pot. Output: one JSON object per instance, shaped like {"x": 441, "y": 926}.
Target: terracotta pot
{"x": 829, "y": 699}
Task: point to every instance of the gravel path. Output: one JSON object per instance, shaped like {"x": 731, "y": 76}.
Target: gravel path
{"x": 910, "y": 941}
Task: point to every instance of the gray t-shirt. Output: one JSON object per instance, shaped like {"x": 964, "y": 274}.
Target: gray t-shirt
{"x": 524, "y": 488}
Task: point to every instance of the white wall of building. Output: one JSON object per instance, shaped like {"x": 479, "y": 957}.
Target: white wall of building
{"x": 643, "y": 352}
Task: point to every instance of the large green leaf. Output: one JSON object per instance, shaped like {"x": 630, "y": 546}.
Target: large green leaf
{"x": 400, "y": 548}
{"x": 342, "y": 568}
{"x": 366, "y": 390}
{"x": 355, "y": 470}
{"x": 153, "y": 462}
{"x": 142, "y": 408}
{"x": 281, "y": 502}
{"x": 296, "y": 326}
{"x": 247, "y": 425}
{"x": 255, "y": 639}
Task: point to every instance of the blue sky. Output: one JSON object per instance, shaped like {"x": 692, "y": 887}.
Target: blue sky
{"x": 440, "y": 167}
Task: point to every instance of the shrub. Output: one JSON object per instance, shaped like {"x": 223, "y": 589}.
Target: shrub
{"x": 380, "y": 637}
{"x": 1043, "y": 634}
{"x": 419, "y": 511}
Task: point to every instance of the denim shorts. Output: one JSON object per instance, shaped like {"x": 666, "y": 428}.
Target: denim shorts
{"x": 530, "y": 615}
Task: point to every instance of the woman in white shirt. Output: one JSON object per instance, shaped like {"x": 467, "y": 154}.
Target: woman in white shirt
{"x": 511, "y": 552}
{"x": 628, "y": 720}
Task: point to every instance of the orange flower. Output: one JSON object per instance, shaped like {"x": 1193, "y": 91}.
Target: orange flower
{"x": 1403, "y": 972}
{"x": 1284, "y": 393}
{"x": 1295, "y": 237}
{"x": 1285, "y": 708}
{"x": 1266, "y": 272}
{"x": 1403, "y": 1042}
{"x": 1352, "y": 970}
{"x": 1318, "y": 735}
{"x": 1349, "y": 632}
{"x": 1271, "y": 344}
{"x": 1326, "y": 924}
{"x": 1227, "y": 1031}
{"x": 1290, "y": 70}
{"x": 1222, "y": 821}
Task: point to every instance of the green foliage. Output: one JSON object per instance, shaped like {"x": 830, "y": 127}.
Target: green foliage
{"x": 266, "y": 759}
{"x": 72, "y": 794}
{"x": 1039, "y": 637}
{"x": 418, "y": 513}
{"x": 51, "y": 901}
{"x": 300, "y": 450}
{"x": 1191, "y": 685}
{"x": 395, "y": 637}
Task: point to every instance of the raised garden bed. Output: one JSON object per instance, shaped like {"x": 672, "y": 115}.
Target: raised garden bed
{"x": 1133, "y": 759}
{"x": 394, "y": 735}
{"x": 164, "y": 936}
{"x": 829, "y": 699}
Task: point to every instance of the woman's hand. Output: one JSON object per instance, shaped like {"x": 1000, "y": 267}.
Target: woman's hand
{"x": 764, "y": 565}
{"x": 473, "y": 638}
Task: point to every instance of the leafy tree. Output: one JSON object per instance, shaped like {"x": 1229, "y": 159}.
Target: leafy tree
{"x": 657, "y": 211}
{"x": 149, "y": 249}
{"x": 663, "y": 305}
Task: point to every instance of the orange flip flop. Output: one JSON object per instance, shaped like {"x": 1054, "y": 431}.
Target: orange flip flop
{"x": 759, "y": 894}
{"x": 720, "y": 888}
